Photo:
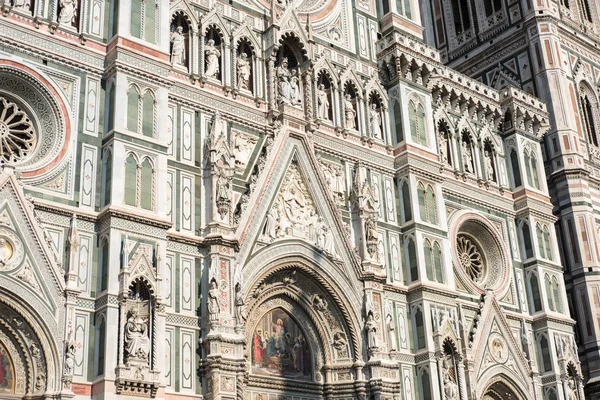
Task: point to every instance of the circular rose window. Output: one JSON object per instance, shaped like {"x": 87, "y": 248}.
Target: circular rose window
{"x": 480, "y": 254}
{"x": 17, "y": 136}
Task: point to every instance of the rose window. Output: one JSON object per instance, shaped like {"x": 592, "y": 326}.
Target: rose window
{"x": 470, "y": 258}
{"x": 17, "y": 136}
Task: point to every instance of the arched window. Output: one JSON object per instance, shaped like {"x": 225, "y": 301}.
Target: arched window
{"x": 431, "y": 205}
{"x": 422, "y": 201}
{"x": 492, "y": 7}
{"x": 516, "y": 171}
{"x": 540, "y": 240}
{"x": 110, "y": 107}
{"x": 527, "y": 246}
{"x": 403, "y": 7}
{"x": 586, "y": 10}
{"x": 588, "y": 108}
{"x": 420, "y": 330}
{"x": 146, "y": 185}
{"x": 551, "y": 395}
{"x": 148, "y": 114}
{"x": 548, "y": 285}
{"x": 133, "y": 109}
{"x": 398, "y": 122}
{"x": 418, "y": 129}
{"x": 535, "y": 293}
{"x": 412, "y": 260}
{"x": 545, "y": 353}
{"x": 324, "y": 100}
{"x": 534, "y": 172}
{"x": 143, "y": 20}
{"x": 103, "y": 262}
{"x": 460, "y": 11}
{"x": 547, "y": 245}
{"x": 425, "y": 386}
{"x": 101, "y": 344}
{"x": 555, "y": 287}
{"x": 437, "y": 263}
{"x": 130, "y": 181}
{"x": 428, "y": 250}
{"x": 405, "y": 198}
{"x": 107, "y": 178}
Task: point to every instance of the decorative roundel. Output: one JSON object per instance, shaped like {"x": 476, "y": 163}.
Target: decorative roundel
{"x": 34, "y": 120}
{"x": 480, "y": 256}
{"x": 11, "y": 250}
{"x": 17, "y": 136}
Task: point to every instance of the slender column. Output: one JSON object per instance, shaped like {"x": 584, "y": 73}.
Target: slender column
{"x": 225, "y": 65}
{"x": 234, "y": 68}
{"x": 386, "y": 126}
{"x": 201, "y": 55}
{"x": 193, "y": 61}
{"x": 272, "y": 84}
{"x": 462, "y": 381}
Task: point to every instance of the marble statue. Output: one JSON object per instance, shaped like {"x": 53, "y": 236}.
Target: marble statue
{"x": 69, "y": 355}
{"x": 322, "y": 103}
{"x": 371, "y": 327}
{"x": 212, "y": 54}
{"x": 284, "y": 85}
{"x": 243, "y": 69}
{"x": 240, "y": 307}
{"x": 296, "y": 97}
{"x": 375, "y": 121}
{"x": 137, "y": 342}
{"x": 22, "y": 5}
{"x": 444, "y": 148}
{"x": 489, "y": 166}
{"x": 68, "y": 12}
{"x": 391, "y": 327}
{"x": 350, "y": 113}
{"x": 466, "y": 157}
{"x": 214, "y": 302}
{"x": 178, "y": 50}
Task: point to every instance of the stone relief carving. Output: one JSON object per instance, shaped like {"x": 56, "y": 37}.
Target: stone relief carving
{"x": 371, "y": 328}
{"x": 349, "y": 112}
{"x": 243, "y": 71}
{"x": 22, "y": 5}
{"x": 319, "y": 303}
{"x": 214, "y": 302}
{"x": 26, "y": 275}
{"x": 137, "y": 341}
{"x": 240, "y": 306}
{"x": 242, "y": 146}
{"x": 289, "y": 91}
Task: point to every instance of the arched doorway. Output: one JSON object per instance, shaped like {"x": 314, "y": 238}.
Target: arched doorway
{"x": 502, "y": 389}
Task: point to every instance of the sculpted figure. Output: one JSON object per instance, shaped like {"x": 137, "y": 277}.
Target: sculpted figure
{"x": 240, "y": 308}
{"x": 322, "y": 103}
{"x": 375, "y": 121}
{"x": 296, "y": 98}
{"x": 489, "y": 166}
{"x": 284, "y": 86}
{"x": 5, "y": 251}
{"x": 69, "y": 355}
{"x": 137, "y": 343}
{"x": 271, "y": 223}
{"x": 243, "y": 69}
{"x": 22, "y": 4}
{"x": 371, "y": 327}
{"x": 349, "y": 112}
{"x": 466, "y": 156}
{"x": 68, "y": 12}
{"x": 214, "y": 303}
{"x": 444, "y": 148}
{"x": 450, "y": 388}
{"x": 391, "y": 326}
{"x": 371, "y": 233}
{"x": 178, "y": 51}
{"x": 212, "y": 55}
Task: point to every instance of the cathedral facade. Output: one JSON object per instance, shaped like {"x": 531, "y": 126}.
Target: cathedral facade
{"x": 548, "y": 49}
{"x": 294, "y": 199}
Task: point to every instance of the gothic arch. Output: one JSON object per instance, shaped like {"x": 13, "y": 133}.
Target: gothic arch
{"x": 326, "y": 278}
{"x": 501, "y": 381}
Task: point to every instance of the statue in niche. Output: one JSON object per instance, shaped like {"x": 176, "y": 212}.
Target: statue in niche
{"x": 68, "y": 12}
{"x": 489, "y": 165}
{"x": 243, "y": 69}
{"x": 375, "y": 121}
{"x": 283, "y": 78}
{"x": 467, "y": 157}
{"x": 339, "y": 341}
{"x": 295, "y": 89}
{"x": 223, "y": 193}
{"x": 371, "y": 234}
{"x": 571, "y": 389}
{"x": 214, "y": 303}
{"x": 242, "y": 148}
{"x": 22, "y": 4}
{"x": 322, "y": 103}
{"x": 350, "y": 113}
{"x": 178, "y": 49}
{"x": 391, "y": 327}
{"x": 240, "y": 308}
{"x": 211, "y": 54}
{"x": 137, "y": 342}
{"x": 450, "y": 386}
{"x": 444, "y": 148}
{"x": 371, "y": 327}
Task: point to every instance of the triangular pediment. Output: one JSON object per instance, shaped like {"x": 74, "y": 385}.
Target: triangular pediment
{"x": 292, "y": 201}
{"x": 27, "y": 263}
{"x": 495, "y": 347}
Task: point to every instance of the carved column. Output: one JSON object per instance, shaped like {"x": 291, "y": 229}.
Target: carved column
{"x": 462, "y": 380}
{"x": 226, "y": 65}
{"x": 335, "y": 106}
{"x": 272, "y": 82}
{"x": 386, "y": 130}
{"x": 201, "y": 54}
{"x": 308, "y": 95}
{"x": 453, "y": 148}
{"x": 193, "y": 57}
{"x": 477, "y": 160}
{"x": 234, "y": 68}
